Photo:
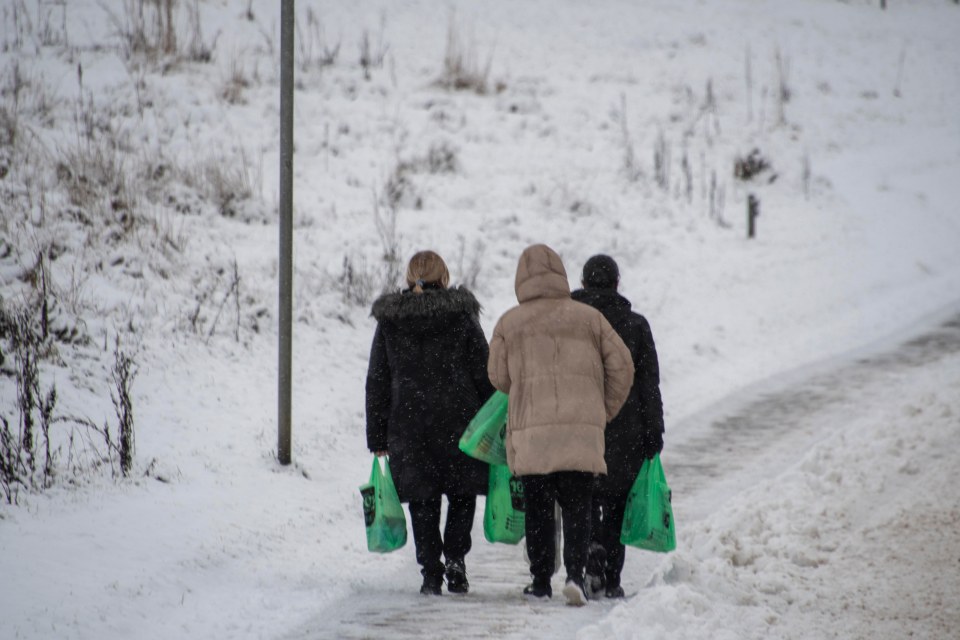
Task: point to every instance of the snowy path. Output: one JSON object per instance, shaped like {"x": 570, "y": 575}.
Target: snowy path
{"x": 761, "y": 432}
{"x": 710, "y": 459}
{"x": 494, "y": 608}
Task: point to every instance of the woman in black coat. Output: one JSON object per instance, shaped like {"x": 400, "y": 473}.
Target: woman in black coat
{"x": 635, "y": 435}
{"x": 426, "y": 379}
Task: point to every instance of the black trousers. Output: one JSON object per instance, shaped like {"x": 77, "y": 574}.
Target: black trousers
{"x": 455, "y": 542}
{"x": 573, "y": 491}
{"x": 607, "y": 554}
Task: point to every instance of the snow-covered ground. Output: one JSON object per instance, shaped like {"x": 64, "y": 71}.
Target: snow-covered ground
{"x": 843, "y": 526}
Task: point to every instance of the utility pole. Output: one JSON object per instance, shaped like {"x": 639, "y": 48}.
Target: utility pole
{"x": 286, "y": 232}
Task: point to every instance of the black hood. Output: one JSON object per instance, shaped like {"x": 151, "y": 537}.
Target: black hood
{"x": 607, "y": 301}
{"x": 425, "y": 311}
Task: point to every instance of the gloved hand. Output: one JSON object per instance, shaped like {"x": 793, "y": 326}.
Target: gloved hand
{"x": 652, "y": 444}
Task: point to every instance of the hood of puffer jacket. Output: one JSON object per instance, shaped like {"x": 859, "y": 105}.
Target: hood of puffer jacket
{"x": 540, "y": 274}
{"x": 425, "y": 312}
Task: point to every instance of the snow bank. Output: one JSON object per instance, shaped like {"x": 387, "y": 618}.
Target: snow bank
{"x": 858, "y": 539}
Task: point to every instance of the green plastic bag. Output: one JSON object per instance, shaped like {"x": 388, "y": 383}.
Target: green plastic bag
{"x": 485, "y": 436}
{"x": 648, "y": 516}
{"x": 382, "y": 512}
{"x": 504, "y": 516}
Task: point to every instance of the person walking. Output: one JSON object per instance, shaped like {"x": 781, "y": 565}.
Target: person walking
{"x": 426, "y": 379}
{"x": 635, "y": 435}
{"x": 567, "y": 373}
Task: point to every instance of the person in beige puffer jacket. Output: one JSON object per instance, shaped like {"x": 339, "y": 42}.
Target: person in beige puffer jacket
{"x": 567, "y": 373}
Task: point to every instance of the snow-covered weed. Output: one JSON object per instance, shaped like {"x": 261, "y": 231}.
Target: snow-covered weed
{"x": 783, "y": 92}
{"x": 629, "y": 165}
{"x": 229, "y": 183}
{"x": 372, "y": 54}
{"x": 146, "y": 29}
{"x": 236, "y": 82}
{"x": 661, "y": 161}
{"x": 149, "y": 30}
{"x": 315, "y": 52}
{"x": 385, "y": 212}
{"x": 123, "y": 374}
{"x": 96, "y": 179}
{"x": 198, "y": 49}
{"x": 32, "y": 441}
{"x": 462, "y": 70}
{"x": 52, "y": 24}
{"x": 357, "y": 282}
{"x": 17, "y": 25}
{"x": 470, "y": 261}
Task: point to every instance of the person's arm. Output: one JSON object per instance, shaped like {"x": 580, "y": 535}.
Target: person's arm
{"x": 378, "y": 395}
{"x": 617, "y": 369}
{"x": 648, "y": 389}
{"x": 497, "y": 369}
{"x": 478, "y": 355}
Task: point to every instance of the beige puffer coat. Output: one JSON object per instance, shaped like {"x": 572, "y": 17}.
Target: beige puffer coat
{"x": 566, "y": 370}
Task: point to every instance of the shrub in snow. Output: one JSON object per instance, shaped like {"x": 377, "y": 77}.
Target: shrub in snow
{"x": 749, "y": 166}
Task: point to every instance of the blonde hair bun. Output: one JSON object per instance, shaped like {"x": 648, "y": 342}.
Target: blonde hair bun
{"x": 427, "y": 267}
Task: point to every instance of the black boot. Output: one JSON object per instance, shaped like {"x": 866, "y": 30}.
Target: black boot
{"x": 613, "y": 588}
{"x": 431, "y": 584}
{"x": 457, "y": 576}
{"x": 539, "y": 588}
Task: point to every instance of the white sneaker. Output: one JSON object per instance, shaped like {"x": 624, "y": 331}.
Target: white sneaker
{"x": 576, "y": 597}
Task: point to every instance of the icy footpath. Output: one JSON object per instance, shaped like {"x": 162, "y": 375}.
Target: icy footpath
{"x": 494, "y": 608}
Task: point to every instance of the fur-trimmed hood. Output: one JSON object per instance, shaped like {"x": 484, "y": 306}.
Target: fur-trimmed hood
{"x": 423, "y": 311}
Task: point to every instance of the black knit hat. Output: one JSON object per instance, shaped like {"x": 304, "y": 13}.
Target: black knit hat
{"x": 601, "y": 272}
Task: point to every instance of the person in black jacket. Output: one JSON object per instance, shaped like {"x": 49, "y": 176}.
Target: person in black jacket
{"x": 635, "y": 435}
{"x": 426, "y": 379}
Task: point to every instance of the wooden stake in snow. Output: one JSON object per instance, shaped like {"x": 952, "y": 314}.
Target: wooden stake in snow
{"x": 753, "y": 210}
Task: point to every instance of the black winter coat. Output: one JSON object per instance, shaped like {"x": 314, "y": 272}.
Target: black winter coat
{"x": 637, "y": 432}
{"x": 426, "y": 379}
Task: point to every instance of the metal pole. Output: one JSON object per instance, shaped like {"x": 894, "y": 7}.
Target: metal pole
{"x": 286, "y": 231}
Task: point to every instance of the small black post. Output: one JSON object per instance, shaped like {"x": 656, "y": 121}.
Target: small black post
{"x": 753, "y": 210}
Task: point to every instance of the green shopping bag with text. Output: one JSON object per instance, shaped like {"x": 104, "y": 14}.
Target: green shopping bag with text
{"x": 504, "y": 516}
{"x": 648, "y": 516}
{"x": 485, "y": 436}
{"x": 382, "y": 512}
